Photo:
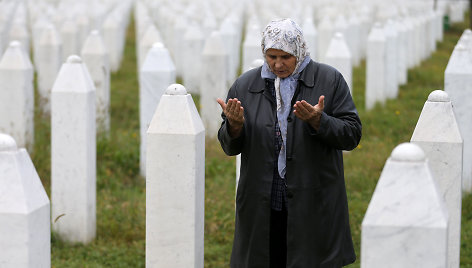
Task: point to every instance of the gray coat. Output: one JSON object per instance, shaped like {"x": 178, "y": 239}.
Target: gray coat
{"x": 318, "y": 232}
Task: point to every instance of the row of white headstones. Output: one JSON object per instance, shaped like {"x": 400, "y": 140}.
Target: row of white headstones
{"x": 73, "y": 101}
{"x": 213, "y": 57}
{"x": 414, "y": 216}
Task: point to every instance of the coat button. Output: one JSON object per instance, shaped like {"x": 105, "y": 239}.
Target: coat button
{"x": 289, "y": 194}
{"x": 289, "y": 119}
{"x": 289, "y": 158}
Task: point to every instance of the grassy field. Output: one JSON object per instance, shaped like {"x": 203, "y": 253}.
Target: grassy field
{"x": 120, "y": 240}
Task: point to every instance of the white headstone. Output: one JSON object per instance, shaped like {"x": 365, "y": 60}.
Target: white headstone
{"x": 466, "y": 39}
{"x": 213, "y": 82}
{"x": 417, "y": 41}
{"x": 251, "y": 45}
{"x": 17, "y": 95}
{"x": 175, "y": 183}
{"x": 73, "y": 153}
{"x": 439, "y": 25}
{"x": 70, "y": 38}
{"x": 49, "y": 60}
{"x": 157, "y": 73}
{"x": 209, "y": 23}
{"x": 423, "y": 30}
{"x": 112, "y": 38}
{"x": 391, "y": 59}
{"x": 410, "y": 57}
{"x": 443, "y": 148}
{"x": 376, "y": 70}
{"x": 6, "y": 13}
{"x": 150, "y": 36}
{"x": 19, "y": 32}
{"x": 406, "y": 222}
{"x": 339, "y": 56}
{"x": 341, "y": 26}
{"x": 37, "y": 29}
{"x": 95, "y": 56}
{"x": 431, "y": 32}
{"x": 355, "y": 38}
{"x": 24, "y": 210}
{"x": 402, "y": 70}
{"x": 311, "y": 37}
{"x": 177, "y": 39}
{"x": 326, "y": 32}
{"x": 142, "y": 19}
{"x": 192, "y": 49}
{"x": 458, "y": 85}
{"x": 3, "y": 35}
{"x": 456, "y": 14}
{"x": 83, "y": 28}
{"x": 365, "y": 26}
{"x": 229, "y": 34}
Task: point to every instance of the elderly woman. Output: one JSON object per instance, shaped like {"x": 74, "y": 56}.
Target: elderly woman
{"x": 290, "y": 119}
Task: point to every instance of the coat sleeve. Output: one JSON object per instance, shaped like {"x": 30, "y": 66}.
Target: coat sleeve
{"x": 341, "y": 128}
{"x": 231, "y": 146}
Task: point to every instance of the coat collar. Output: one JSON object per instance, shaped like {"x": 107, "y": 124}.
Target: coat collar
{"x": 306, "y": 76}
{"x": 259, "y": 84}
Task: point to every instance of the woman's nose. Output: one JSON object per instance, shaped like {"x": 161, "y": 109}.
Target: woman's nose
{"x": 278, "y": 64}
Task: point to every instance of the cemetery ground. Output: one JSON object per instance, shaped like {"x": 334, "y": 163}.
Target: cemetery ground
{"x": 120, "y": 240}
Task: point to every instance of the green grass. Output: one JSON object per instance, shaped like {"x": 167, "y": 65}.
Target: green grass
{"x": 120, "y": 240}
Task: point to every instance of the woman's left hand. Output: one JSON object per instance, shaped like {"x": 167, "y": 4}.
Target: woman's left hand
{"x": 309, "y": 113}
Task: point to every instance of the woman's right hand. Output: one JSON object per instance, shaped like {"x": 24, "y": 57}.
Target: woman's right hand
{"x": 234, "y": 112}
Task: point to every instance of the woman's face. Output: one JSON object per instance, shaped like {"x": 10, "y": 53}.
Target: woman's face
{"x": 280, "y": 62}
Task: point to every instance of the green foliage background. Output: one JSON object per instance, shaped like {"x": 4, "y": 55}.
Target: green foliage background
{"x": 120, "y": 240}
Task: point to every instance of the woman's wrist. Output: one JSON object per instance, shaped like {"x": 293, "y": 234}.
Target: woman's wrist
{"x": 235, "y": 129}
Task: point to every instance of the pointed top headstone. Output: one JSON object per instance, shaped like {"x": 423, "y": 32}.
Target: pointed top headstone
{"x": 437, "y": 114}
{"x": 377, "y": 33}
{"x": 73, "y": 77}
{"x": 444, "y": 149}
{"x": 20, "y": 33}
{"x": 466, "y": 40}
{"x": 50, "y": 36}
{"x": 15, "y": 58}
{"x": 214, "y": 45}
{"x": 338, "y": 47}
{"x": 194, "y": 32}
{"x": 151, "y": 34}
{"x": 420, "y": 204}
{"x": 341, "y": 23}
{"x": 22, "y": 191}
{"x": 176, "y": 113}
{"x": 157, "y": 59}
{"x": 24, "y": 210}
{"x": 93, "y": 44}
{"x": 459, "y": 62}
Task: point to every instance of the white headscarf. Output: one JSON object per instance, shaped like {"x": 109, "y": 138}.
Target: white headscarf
{"x": 285, "y": 35}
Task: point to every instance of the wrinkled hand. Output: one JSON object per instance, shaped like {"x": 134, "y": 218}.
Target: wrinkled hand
{"x": 308, "y": 113}
{"x": 234, "y": 112}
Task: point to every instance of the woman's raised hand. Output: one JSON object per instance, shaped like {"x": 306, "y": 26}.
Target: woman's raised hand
{"x": 308, "y": 113}
{"x": 234, "y": 112}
